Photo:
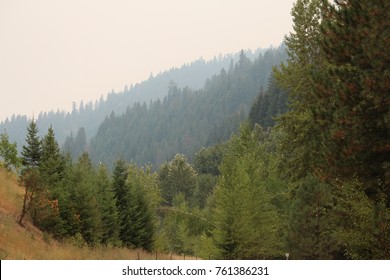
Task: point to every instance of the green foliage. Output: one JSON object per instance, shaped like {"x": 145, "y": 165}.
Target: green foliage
{"x": 140, "y": 226}
{"x": 207, "y": 160}
{"x": 32, "y": 151}
{"x": 268, "y": 105}
{"x": 205, "y": 185}
{"x": 34, "y": 196}
{"x": 299, "y": 140}
{"x": 363, "y": 226}
{"x": 137, "y": 197}
{"x": 316, "y": 185}
{"x": 184, "y": 229}
{"x": 52, "y": 163}
{"x": 108, "y": 208}
{"x": 247, "y": 222}
{"x": 90, "y": 115}
{"x": 8, "y": 152}
{"x": 119, "y": 178}
{"x": 336, "y": 129}
{"x": 88, "y": 220}
{"x": 177, "y": 176}
{"x": 311, "y": 221}
{"x": 353, "y": 111}
{"x": 186, "y": 120}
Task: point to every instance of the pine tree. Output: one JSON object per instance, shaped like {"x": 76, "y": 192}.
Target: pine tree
{"x": 85, "y": 201}
{"x": 119, "y": 178}
{"x": 51, "y": 172}
{"x": 268, "y": 105}
{"x": 353, "y": 109}
{"x": 34, "y": 196}
{"x": 137, "y": 222}
{"x": 363, "y": 225}
{"x": 122, "y": 197}
{"x": 337, "y": 128}
{"x": 246, "y": 220}
{"x": 311, "y": 221}
{"x": 108, "y": 208}
{"x": 32, "y": 151}
{"x": 51, "y": 166}
{"x": 300, "y": 135}
{"x": 134, "y": 200}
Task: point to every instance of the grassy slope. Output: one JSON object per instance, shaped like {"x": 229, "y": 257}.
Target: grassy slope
{"x": 28, "y": 242}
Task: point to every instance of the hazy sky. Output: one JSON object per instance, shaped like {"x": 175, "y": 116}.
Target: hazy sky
{"x": 53, "y": 52}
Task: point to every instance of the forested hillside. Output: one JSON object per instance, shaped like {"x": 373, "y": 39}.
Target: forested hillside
{"x": 186, "y": 120}
{"x": 259, "y": 163}
{"x": 90, "y": 114}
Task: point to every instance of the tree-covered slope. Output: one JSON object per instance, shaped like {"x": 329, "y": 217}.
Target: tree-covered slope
{"x": 187, "y": 119}
{"x": 90, "y": 115}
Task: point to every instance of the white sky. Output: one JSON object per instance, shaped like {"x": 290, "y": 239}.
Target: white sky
{"x": 53, "y": 52}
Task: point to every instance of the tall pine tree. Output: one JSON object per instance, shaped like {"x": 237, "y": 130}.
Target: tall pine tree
{"x": 31, "y": 156}
{"x": 352, "y": 93}
{"x": 32, "y": 151}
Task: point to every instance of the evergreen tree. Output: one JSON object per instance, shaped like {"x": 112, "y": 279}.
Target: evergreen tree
{"x": 134, "y": 191}
{"x": 51, "y": 166}
{"x": 268, "y": 105}
{"x": 311, "y": 221}
{"x": 300, "y": 137}
{"x": 51, "y": 172}
{"x": 32, "y": 151}
{"x": 122, "y": 198}
{"x": 119, "y": 178}
{"x": 337, "y": 127}
{"x": 362, "y": 225}
{"x": 352, "y": 111}
{"x": 137, "y": 227}
{"x": 247, "y": 222}
{"x": 85, "y": 201}
{"x": 34, "y": 196}
{"x": 108, "y": 208}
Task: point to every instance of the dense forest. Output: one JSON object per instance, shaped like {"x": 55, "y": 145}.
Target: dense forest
{"x": 297, "y": 161}
{"x": 89, "y": 115}
{"x": 186, "y": 120}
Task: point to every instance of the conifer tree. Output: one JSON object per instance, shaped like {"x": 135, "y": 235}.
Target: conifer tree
{"x": 34, "y": 194}
{"x": 135, "y": 206}
{"x": 122, "y": 198}
{"x": 85, "y": 201}
{"x": 119, "y": 184}
{"x": 32, "y": 151}
{"x": 52, "y": 163}
{"x": 312, "y": 221}
{"x": 246, "y": 220}
{"x": 108, "y": 209}
{"x": 51, "y": 172}
{"x": 300, "y": 138}
{"x": 352, "y": 110}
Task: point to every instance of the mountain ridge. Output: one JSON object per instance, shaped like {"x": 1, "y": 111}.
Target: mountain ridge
{"x": 90, "y": 114}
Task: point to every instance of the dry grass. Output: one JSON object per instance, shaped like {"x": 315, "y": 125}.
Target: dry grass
{"x": 28, "y": 242}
